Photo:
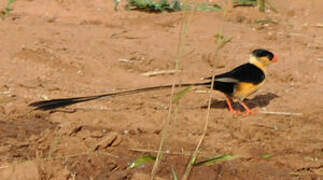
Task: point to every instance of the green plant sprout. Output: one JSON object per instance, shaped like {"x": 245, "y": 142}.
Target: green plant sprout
{"x": 142, "y": 160}
{"x": 8, "y": 8}
{"x": 166, "y": 6}
{"x": 261, "y": 4}
{"x": 152, "y": 6}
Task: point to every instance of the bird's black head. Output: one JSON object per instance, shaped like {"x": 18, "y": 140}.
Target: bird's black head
{"x": 259, "y": 53}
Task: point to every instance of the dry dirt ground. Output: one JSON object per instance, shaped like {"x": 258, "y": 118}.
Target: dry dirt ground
{"x": 65, "y": 48}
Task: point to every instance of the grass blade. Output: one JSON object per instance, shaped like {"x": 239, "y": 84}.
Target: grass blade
{"x": 180, "y": 94}
{"x": 216, "y": 159}
{"x": 141, "y": 161}
{"x": 244, "y": 3}
{"x": 261, "y": 5}
{"x": 267, "y": 156}
{"x": 174, "y": 174}
{"x": 207, "y": 7}
{"x": 8, "y": 8}
{"x": 222, "y": 40}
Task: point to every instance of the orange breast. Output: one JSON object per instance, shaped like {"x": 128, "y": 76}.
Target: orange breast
{"x": 245, "y": 89}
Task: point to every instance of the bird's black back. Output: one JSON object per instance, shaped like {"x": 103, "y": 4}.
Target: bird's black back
{"x": 248, "y": 73}
{"x": 245, "y": 73}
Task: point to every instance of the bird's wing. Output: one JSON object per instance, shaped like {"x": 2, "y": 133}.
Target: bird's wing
{"x": 244, "y": 73}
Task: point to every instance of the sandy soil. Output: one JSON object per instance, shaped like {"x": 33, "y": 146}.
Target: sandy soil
{"x": 75, "y": 48}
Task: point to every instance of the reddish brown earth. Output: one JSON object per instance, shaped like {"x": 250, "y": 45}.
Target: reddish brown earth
{"x": 61, "y": 48}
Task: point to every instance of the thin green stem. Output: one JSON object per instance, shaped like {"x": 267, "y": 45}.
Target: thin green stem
{"x": 164, "y": 133}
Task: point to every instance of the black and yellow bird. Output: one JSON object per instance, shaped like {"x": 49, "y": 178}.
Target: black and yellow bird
{"x": 237, "y": 84}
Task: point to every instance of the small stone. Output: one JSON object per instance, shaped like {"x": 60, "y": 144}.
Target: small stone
{"x": 96, "y": 134}
{"x": 107, "y": 141}
{"x": 76, "y": 130}
{"x": 116, "y": 142}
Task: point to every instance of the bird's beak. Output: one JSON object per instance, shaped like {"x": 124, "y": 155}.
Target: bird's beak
{"x": 275, "y": 59}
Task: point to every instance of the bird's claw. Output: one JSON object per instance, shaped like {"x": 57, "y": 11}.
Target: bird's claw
{"x": 235, "y": 112}
{"x": 249, "y": 111}
{"x": 244, "y": 114}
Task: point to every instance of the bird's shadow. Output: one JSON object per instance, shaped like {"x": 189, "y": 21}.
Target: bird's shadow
{"x": 257, "y": 101}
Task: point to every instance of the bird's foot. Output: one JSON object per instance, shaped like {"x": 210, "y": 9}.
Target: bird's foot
{"x": 248, "y": 112}
{"x": 235, "y": 112}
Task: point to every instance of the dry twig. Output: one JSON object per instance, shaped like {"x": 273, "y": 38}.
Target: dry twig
{"x": 155, "y": 73}
{"x": 282, "y": 113}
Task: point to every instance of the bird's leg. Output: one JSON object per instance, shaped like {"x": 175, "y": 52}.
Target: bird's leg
{"x": 248, "y": 110}
{"x": 228, "y": 99}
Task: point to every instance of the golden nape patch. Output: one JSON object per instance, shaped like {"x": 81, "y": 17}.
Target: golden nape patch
{"x": 265, "y": 61}
{"x": 261, "y": 63}
{"x": 245, "y": 89}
